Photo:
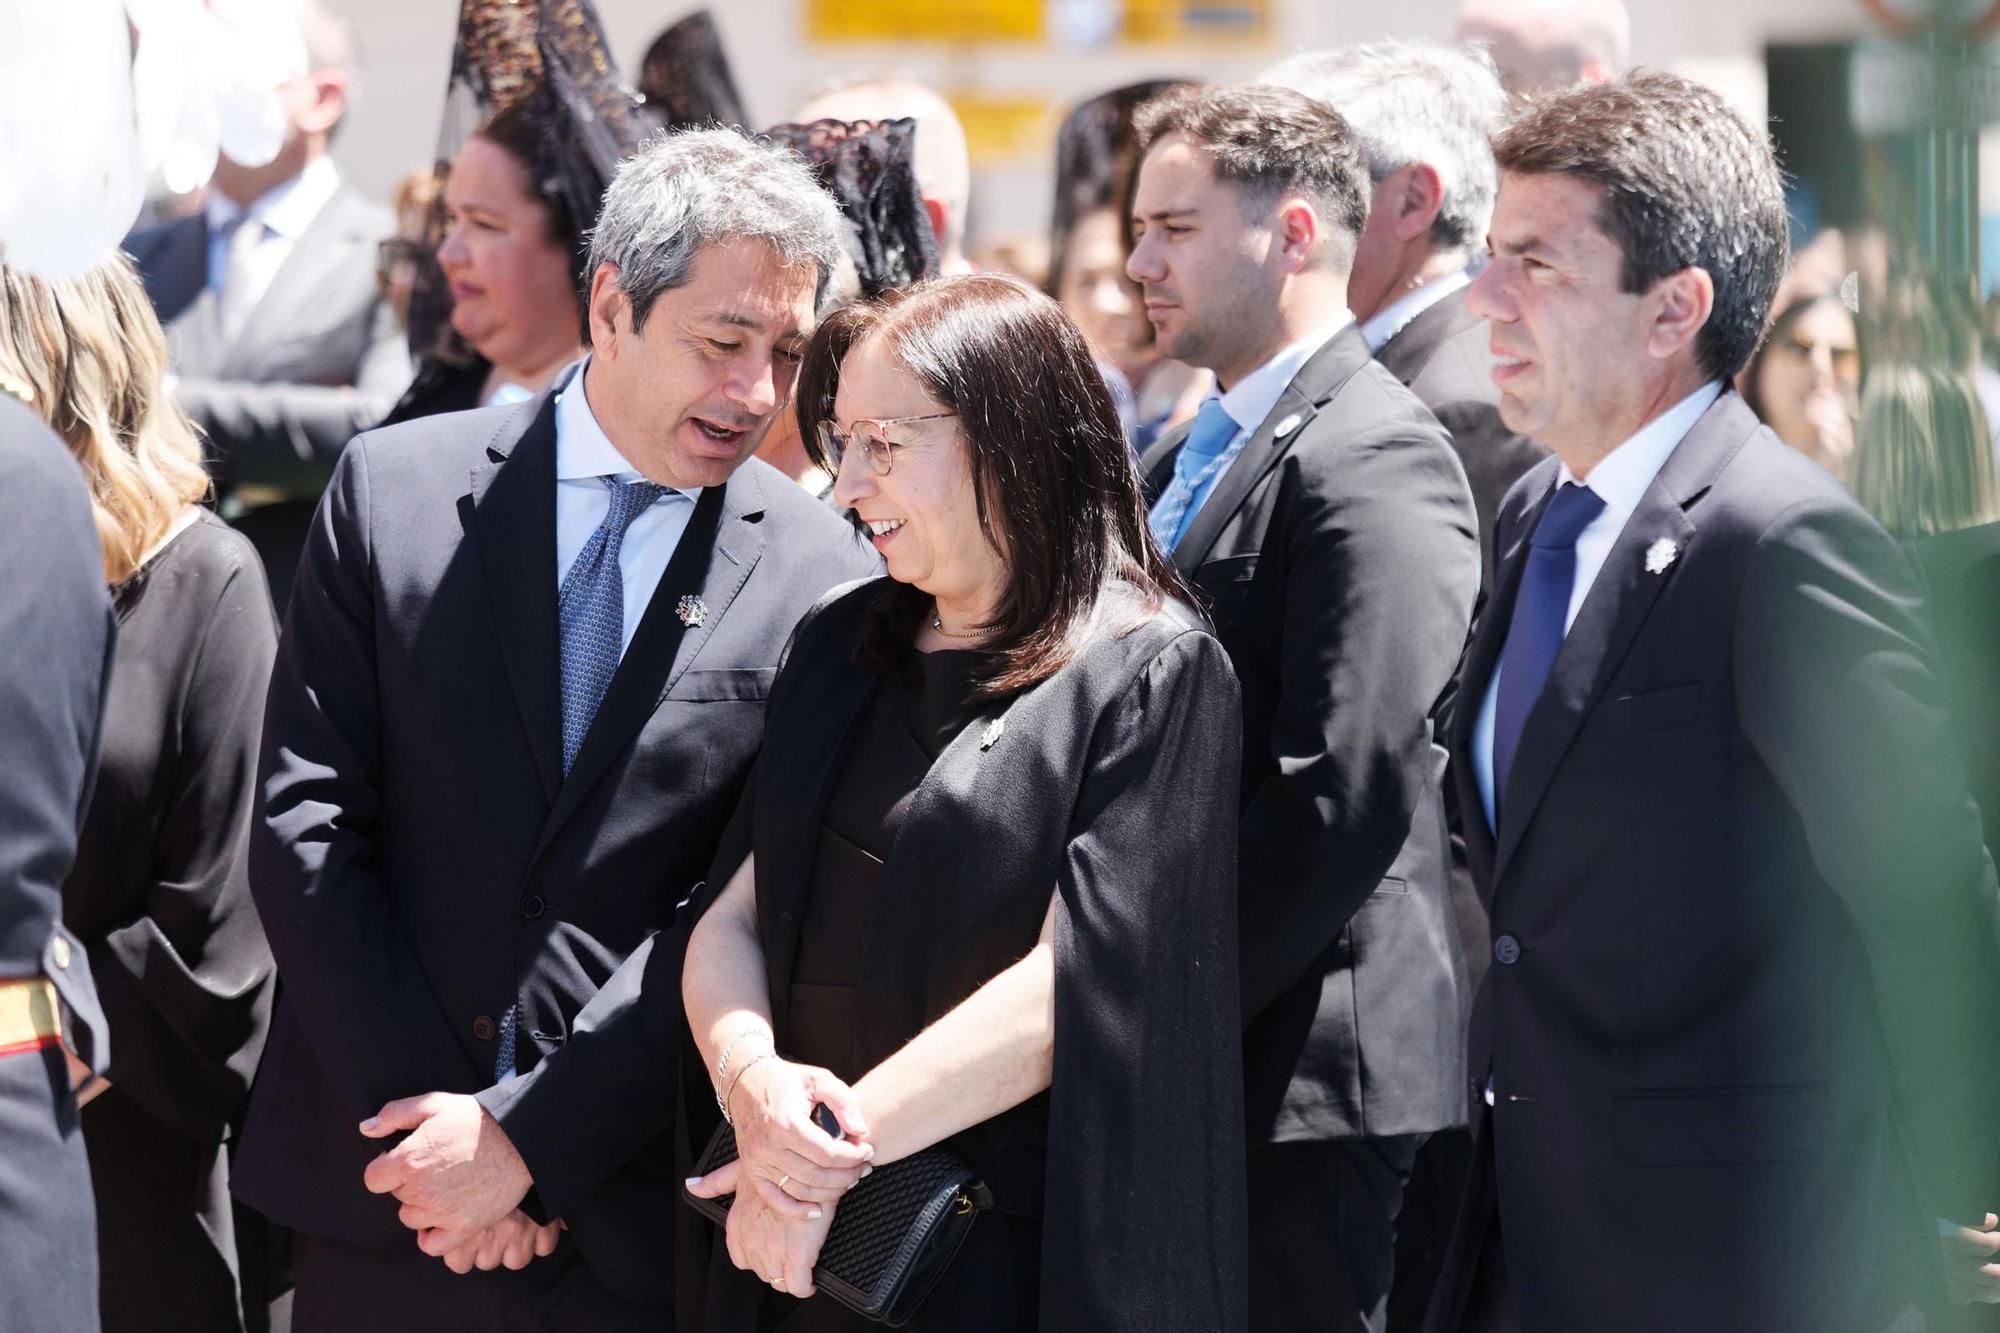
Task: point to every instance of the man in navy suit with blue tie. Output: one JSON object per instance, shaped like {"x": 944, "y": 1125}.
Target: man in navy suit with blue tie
{"x": 519, "y": 691}
{"x": 1734, "y": 1062}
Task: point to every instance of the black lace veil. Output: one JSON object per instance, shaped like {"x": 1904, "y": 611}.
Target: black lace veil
{"x": 685, "y": 78}
{"x": 869, "y": 169}
{"x": 545, "y": 65}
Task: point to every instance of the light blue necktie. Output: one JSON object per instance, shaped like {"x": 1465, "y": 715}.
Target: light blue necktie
{"x": 1211, "y": 446}
{"x": 590, "y": 610}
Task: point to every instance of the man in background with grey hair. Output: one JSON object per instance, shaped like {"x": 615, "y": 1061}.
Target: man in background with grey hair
{"x": 1545, "y": 46}
{"x": 281, "y": 339}
{"x": 1424, "y": 114}
{"x": 517, "y": 700}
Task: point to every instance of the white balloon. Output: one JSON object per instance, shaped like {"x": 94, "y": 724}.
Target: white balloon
{"x": 74, "y": 180}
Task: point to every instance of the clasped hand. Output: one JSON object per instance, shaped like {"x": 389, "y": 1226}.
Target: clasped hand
{"x": 789, "y": 1173}
{"x": 460, "y": 1181}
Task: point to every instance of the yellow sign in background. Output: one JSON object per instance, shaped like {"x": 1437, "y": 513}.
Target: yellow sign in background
{"x": 1141, "y": 22}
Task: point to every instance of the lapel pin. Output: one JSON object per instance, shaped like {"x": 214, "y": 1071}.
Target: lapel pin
{"x": 991, "y": 735}
{"x": 1287, "y": 426}
{"x": 1660, "y": 554}
{"x": 692, "y": 611}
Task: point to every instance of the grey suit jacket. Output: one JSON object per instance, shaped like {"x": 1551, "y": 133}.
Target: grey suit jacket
{"x": 320, "y": 359}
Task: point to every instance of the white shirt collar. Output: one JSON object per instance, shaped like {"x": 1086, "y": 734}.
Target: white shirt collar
{"x": 1252, "y": 399}
{"x": 1620, "y": 479}
{"x": 583, "y": 450}
{"x": 286, "y": 209}
{"x": 1396, "y": 316}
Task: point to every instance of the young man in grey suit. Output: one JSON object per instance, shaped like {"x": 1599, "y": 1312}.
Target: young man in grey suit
{"x": 515, "y": 702}
{"x": 1319, "y": 511}
{"x": 1735, "y": 1060}
{"x": 282, "y": 344}
{"x": 56, "y": 633}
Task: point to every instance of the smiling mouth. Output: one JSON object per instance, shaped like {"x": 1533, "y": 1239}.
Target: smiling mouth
{"x": 882, "y": 527}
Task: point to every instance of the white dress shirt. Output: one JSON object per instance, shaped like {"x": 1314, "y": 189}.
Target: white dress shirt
{"x": 284, "y": 213}
{"x": 585, "y": 455}
{"x": 1394, "y": 317}
{"x": 1620, "y": 480}
{"x": 1253, "y": 397}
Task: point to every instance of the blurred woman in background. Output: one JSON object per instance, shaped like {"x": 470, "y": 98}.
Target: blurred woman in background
{"x": 160, "y": 891}
{"x": 1805, "y": 380}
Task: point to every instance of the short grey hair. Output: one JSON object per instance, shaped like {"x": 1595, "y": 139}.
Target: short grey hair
{"x": 1416, "y": 102}
{"x": 683, "y": 191}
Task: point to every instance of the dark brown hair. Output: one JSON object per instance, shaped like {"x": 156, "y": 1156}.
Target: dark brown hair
{"x": 525, "y": 129}
{"x": 1686, "y": 184}
{"x": 1270, "y": 142}
{"x": 1052, "y": 479}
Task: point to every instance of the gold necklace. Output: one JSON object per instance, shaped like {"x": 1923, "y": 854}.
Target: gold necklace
{"x": 938, "y": 625}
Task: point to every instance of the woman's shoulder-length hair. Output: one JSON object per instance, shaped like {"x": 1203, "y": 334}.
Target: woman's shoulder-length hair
{"x": 1053, "y": 482}
{"x": 88, "y": 354}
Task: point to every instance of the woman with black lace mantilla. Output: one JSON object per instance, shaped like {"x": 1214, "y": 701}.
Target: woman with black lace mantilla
{"x": 988, "y": 903}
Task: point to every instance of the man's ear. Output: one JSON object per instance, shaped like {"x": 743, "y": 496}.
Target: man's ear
{"x": 1417, "y": 199}
{"x": 328, "y": 101}
{"x": 1299, "y": 234}
{"x": 610, "y": 312}
{"x": 1682, "y": 303}
{"x": 939, "y": 215}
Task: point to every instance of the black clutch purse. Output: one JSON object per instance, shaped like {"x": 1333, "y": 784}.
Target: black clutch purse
{"x": 892, "y": 1235}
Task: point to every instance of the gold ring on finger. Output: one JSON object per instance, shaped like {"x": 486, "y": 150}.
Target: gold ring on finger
{"x": 778, "y": 1283}
{"x": 783, "y": 1181}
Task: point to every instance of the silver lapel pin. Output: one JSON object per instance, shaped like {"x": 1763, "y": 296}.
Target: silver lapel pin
{"x": 692, "y": 611}
{"x": 1661, "y": 554}
{"x": 991, "y": 735}
{"x": 1287, "y": 426}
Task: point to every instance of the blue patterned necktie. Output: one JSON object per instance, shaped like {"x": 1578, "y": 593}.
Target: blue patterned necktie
{"x": 590, "y": 611}
{"x": 1210, "y": 447}
{"x": 1535, "y": 632}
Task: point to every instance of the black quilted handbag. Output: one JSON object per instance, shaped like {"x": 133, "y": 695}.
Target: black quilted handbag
{"x": 892, "y": 1234}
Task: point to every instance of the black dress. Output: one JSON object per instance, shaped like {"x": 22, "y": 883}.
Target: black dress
{"x": 161, "y": 897}
{"x": 907, "y": 846}
{"x": 903, "y": 730}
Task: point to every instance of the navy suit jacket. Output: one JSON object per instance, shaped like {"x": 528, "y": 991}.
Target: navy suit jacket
{"x": 1739, "y": 1023}
{"x": 421, "y": 863}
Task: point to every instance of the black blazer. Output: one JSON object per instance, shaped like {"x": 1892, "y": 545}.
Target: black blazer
{"x": 420, "y": 861}
{"x": 1338, "y": 559}
{"x": 1096, "y": 786}
{"x": 1739, "y": 1025}
{"x": 1444, "y": 358}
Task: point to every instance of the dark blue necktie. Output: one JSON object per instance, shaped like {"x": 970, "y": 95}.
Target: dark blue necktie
{"x": 1535, "y": 633}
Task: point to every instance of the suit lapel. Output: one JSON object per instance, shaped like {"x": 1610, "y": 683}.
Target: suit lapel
{"x": 321, "y": 246}
{"x": 514, "y": 513}
{"x": 721, "y": 545}
{"x": 1156, "y": 465}
{"x": 1317, "y": 381}
{"x": 1621, "y": 598}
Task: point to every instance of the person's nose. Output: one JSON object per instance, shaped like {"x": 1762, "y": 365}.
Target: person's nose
{"x": 453, "y": 251}
{"x": 1143, "y": 265}
{"x": 853, "y": 481}
{"x": 753, "y": 385}
{"x": 1490, "y": 297}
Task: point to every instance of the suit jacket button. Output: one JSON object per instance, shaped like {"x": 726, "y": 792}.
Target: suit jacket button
{"x": 482, "y": 1028}
{"x": 1507, "y": 950}
{"x": 59, "y": 950}
{"x": 531, "y": 906}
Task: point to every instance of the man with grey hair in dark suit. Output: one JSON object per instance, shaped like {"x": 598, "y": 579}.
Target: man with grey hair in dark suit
{"x": 282, "y": 344}
{"x": 516, "y": 701}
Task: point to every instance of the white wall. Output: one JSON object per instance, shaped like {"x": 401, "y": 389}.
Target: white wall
{"x": 406, "y": 46}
